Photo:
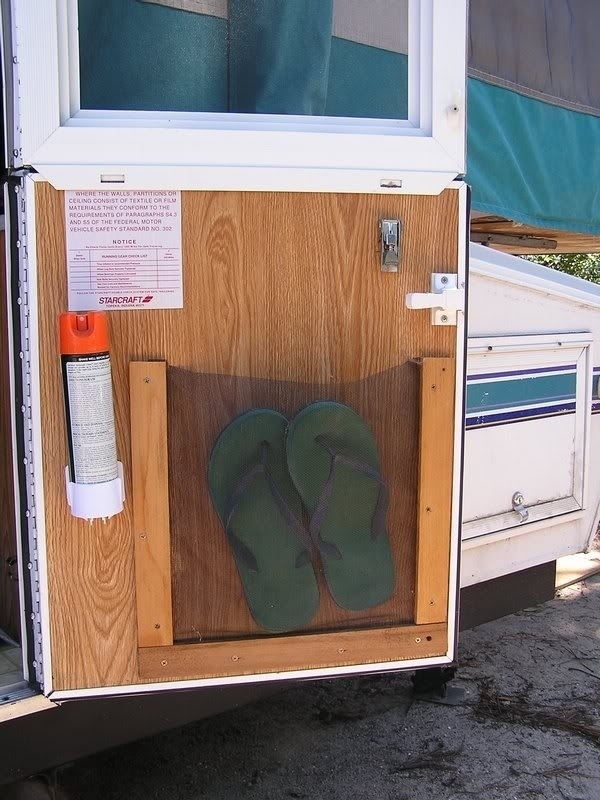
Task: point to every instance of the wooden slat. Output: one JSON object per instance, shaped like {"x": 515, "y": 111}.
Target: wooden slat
{"x": 150, "y": 474}
{"x": 435, "y": 489}
{"x": 274, "y": 654}
{"x": 565, "y": 241}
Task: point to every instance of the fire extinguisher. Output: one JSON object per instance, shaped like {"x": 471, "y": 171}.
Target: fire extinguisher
{"x": 94, "y": 476}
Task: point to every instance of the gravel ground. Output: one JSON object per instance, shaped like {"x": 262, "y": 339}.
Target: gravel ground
{"x": 528, "y": 727}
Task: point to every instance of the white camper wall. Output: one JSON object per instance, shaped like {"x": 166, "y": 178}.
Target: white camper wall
{"x": 526, "y": 305}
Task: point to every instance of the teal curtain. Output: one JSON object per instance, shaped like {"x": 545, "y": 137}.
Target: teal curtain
{"x": 143, "y": 56}
{"x": 279, "y": 56}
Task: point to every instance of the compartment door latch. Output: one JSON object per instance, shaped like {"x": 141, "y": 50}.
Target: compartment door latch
{"x": 518, "y": 506}
{"x": 445, "y": 299}
{"x": 390, "y": 231}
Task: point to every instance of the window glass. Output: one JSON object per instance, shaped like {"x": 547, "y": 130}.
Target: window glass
{"x": 338, "y": 58}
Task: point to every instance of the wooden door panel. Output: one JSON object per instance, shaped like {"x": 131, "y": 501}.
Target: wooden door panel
{"x": 284, "y": 303}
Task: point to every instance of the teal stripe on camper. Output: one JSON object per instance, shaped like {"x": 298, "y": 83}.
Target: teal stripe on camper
{"x": 532, "y": 162}
{"x": 523, "y": 391}
{"x": 366, "y": 81}
{"x": 142, "y": 56}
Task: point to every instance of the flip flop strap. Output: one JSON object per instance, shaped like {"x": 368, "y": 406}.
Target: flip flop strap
{"x": 322, "y": 506}
{"x": 241, "y": 550}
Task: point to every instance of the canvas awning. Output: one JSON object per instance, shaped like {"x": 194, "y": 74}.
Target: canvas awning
{"x": 534, "y": 112}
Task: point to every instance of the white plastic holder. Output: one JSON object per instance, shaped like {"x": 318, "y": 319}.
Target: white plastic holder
{"x": 445, "y": 299}
{"x": 96, "y": 500}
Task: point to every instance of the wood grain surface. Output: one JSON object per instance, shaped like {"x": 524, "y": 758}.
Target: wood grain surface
{"x": 436, "y": 451}
{"x": 280, "y": 291}
{"x": 151, "y": 523}
{"x": 264, "y": 656}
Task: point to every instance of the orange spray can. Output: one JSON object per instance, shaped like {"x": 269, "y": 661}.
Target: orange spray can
{"x": 93, "y": 473}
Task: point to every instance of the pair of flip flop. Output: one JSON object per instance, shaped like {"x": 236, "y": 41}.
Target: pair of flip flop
{"x": 262, "y": 471}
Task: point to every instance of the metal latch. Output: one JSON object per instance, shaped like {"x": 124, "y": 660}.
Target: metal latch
{"x": 445, "y": 300}
{"x": 518, "y": 505}
{"x": 389, "y": 233}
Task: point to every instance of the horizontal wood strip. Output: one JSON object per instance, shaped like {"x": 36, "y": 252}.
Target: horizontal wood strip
{"x": 150, "y": 475}
{"x": 278, "y": 654}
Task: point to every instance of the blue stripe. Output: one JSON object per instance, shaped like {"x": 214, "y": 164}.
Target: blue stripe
{"x": 501, "y": 418}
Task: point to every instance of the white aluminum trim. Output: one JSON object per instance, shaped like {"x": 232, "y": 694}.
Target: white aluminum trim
{"x": 36, "y": 418}
{"x": 36, "y": 73}
{"x": 246, "y": 179}
{"x": 532, "y": 527}
{"x": 461, "y": 333}
{"x": 481, "y": 531}
{"x": 449, "y": 83}
{"x": 89, "y": 143}
{"x": 19, "y": 533}
{"x": 272, "y": 677}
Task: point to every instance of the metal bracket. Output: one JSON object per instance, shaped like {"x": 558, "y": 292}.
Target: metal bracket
{"x": 445, "y": 300}
{"x": 518, "y": 505}
{"x": 389, "y": 233}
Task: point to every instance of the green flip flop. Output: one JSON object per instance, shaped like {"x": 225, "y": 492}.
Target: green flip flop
{"x": 261, "y": 512}
{"x": 333, "y": 460}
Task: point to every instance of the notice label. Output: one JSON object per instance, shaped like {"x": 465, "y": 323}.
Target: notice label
{"x": 124, "y": 250}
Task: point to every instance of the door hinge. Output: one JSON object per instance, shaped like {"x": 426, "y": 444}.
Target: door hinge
{"x": 445, "y": 299}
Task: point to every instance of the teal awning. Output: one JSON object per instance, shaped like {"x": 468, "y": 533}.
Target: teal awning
{"x": 533, "y": 152}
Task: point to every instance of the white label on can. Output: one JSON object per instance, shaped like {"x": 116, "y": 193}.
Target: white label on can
{"x": 92, "y": 420}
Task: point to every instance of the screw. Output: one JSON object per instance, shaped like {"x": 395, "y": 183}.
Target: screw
{"x": 142, "y": 535}
{"x": 444, "y": 279}
{"x": 341, "y": 650}
{"x": 418, "y": 640}
{"x": 147, "y": 380}
{"x": 444, "y": 318}
{"x": 164, "y": 663}
{"x": 157, "y": 625}
{"x": 235, "y": 658}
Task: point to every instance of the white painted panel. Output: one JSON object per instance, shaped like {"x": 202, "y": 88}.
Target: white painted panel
{"x": 535, "y": 457}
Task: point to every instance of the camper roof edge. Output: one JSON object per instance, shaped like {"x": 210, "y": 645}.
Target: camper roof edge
{"x": 495, "y": 264}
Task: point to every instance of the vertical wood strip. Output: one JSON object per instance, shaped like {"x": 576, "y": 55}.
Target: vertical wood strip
{"x": 149, "y": 466}
{"x": 435, "y": 489}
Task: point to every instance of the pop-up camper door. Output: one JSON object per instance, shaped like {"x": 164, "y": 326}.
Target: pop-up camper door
{"x": 289, "y": 427}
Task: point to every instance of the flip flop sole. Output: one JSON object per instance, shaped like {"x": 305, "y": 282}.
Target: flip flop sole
{"x": 364, "y": 575}
{"x": 280, "y": 595}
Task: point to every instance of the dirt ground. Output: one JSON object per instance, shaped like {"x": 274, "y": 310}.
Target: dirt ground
{"x": 528, "y": 727}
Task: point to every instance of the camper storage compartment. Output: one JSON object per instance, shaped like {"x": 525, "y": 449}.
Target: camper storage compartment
{"x": 528, "y": 405}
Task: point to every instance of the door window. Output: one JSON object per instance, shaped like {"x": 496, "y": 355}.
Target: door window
{"x": 335, "y": 58}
